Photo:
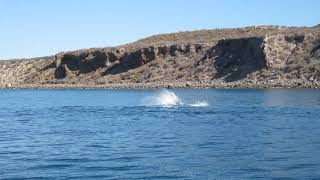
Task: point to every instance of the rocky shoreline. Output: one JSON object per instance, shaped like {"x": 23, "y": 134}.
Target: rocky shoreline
{"x": 191, "y": 85}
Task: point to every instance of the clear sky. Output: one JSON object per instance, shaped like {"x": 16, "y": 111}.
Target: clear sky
{"x": 30, "y": 28}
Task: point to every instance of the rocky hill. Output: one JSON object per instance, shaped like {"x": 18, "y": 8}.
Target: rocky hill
{"x": 264, "y": 56}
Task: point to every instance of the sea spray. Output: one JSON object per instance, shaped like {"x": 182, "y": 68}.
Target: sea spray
{"x": 168, "y": 98}
{"x": 163, "y": 98}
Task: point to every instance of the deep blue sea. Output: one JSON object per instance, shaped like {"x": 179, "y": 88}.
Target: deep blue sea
{"x": 160, "y": 134}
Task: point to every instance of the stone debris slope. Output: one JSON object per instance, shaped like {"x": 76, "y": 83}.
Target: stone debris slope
{"x": 253, "y": 55}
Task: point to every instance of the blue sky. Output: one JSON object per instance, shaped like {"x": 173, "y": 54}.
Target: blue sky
{"x": 31, "y": 28}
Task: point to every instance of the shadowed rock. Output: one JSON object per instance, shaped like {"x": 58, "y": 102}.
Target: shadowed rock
{"x": 235, "y": 58}
{"x": 60, "y": 72}
{"x": 252, "y": 54}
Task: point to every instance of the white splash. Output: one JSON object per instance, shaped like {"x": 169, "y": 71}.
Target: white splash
{"x": 199, "y": 104}
{"x": 168, "y": 98}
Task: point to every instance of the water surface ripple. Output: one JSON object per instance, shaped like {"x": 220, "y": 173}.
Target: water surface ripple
{"x": 114, "y": 134}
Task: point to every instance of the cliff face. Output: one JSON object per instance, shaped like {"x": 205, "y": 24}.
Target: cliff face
{"x": 256, "y": 55}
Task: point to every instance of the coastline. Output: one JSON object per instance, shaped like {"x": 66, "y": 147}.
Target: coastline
{"x": 191, "y": 85}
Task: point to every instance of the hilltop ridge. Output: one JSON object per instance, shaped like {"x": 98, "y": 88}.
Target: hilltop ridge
{"x": 258, "y": 56}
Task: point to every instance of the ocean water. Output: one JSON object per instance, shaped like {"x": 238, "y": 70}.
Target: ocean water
{"x": 160, "y": 134}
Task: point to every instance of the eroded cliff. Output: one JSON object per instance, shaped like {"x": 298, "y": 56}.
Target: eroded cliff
{"x": 258, "y": 55}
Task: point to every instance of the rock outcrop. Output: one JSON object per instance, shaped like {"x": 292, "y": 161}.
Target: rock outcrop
{"x": 258, "y": 55}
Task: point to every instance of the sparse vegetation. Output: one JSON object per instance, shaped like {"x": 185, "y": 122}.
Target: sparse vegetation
{"x": 252, "y": 54}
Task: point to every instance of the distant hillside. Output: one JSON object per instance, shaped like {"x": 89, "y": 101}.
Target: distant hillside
{"x": 250, "y": 57}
